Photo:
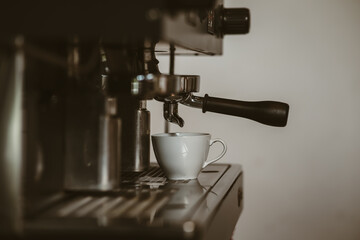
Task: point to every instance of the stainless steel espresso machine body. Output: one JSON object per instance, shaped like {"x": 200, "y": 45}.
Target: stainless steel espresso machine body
{"x": 75, "y": 132}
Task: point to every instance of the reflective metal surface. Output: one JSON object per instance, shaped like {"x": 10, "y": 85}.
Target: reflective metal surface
{"x": 192, "y": 101}
{"x": 135, "y": 156}
{"x": 12, "y": 64}
{"x": 145, "y": 203}
{"x": 109, "y": 152}
{"x": 141, "y": 159}
{"x": 164, "y": 87}
{"x": 169, "y": 89}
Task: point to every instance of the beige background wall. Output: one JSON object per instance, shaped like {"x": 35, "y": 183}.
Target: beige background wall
{"x": 302, "y": 181}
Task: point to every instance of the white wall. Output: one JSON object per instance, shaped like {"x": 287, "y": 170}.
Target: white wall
{"x": 302, "y": 181}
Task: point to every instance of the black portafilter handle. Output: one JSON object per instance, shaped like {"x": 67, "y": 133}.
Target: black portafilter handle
{"x": 266, "y": 112}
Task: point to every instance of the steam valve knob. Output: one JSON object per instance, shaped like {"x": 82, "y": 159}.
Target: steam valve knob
{"x": 235, "y": 21}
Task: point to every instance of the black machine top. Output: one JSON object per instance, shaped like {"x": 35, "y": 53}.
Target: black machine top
{"x": 196, "y": 25}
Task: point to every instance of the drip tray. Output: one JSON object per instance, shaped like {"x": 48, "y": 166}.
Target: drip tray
{"x": 145, "y": 202}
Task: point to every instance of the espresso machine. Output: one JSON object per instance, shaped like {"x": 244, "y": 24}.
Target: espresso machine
{"x": 75, "y": 78}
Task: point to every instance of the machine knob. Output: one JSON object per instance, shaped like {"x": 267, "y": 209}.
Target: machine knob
{"x": 235, "y": 21}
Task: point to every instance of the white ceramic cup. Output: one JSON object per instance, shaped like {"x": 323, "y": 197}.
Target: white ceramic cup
{"x": 183, "y": 155}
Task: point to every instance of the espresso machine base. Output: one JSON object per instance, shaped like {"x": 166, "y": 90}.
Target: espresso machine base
{"x": 147, "y": 206}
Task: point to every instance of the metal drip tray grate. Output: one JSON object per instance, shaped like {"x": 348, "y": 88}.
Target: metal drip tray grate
{"x": 153, "y": 177}
{"x": 140, "y": 196}
{"x": 126, "y": 204}
{"x": 145, "y": 200}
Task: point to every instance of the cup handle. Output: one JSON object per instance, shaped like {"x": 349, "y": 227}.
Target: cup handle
{"x": 221, "y": 154}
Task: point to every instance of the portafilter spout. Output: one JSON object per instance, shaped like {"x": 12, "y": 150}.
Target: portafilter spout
{"x": 169, "y": 89}
{"x": 171, "y": 113}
